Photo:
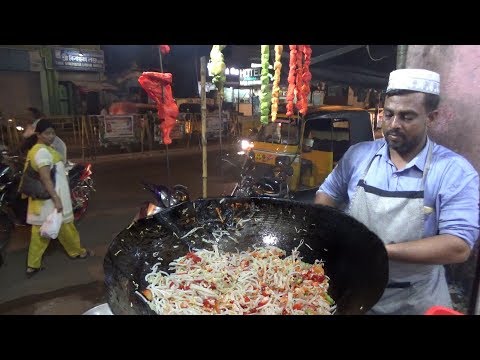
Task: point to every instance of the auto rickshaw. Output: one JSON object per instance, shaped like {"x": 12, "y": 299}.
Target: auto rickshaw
{"x": 311, "y": 145}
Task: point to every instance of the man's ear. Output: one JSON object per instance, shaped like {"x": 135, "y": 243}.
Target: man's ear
{"x": 432, "y": 117}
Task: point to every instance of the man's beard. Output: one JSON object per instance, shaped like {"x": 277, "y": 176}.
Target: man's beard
{"x": 402, "y": 145}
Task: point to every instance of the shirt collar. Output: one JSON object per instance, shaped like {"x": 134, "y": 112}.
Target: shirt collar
{"x": 419, "y": 160}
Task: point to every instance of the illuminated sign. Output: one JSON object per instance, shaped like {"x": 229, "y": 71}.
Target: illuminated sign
{"x": 78, "y": 60}
{"x": 228, "y": 71}
{"x": 250, "y": 76}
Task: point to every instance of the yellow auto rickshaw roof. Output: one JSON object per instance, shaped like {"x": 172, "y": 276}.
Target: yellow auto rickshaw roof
{"x": 333, "y": 108}
{"x": 324, "y": 109}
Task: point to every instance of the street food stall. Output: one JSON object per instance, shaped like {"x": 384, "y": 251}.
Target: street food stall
{"x": 167, "y": 263}
{"x": 324, "y": 245}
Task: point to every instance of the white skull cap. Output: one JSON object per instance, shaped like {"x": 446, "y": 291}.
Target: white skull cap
{"x": 420, "y": 80}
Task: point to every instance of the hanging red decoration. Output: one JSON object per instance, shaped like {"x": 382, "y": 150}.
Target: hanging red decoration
{"x": 164, "y": 49}
{"x": 158, "y": 87}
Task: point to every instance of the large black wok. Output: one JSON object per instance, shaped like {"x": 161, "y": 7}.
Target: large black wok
{"x": 355, "y": 258}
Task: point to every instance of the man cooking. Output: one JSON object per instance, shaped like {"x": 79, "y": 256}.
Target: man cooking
{"x": 419, "y": 197}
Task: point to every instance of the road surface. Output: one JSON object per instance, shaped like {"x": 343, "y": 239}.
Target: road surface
{"x": 73, "y": 286}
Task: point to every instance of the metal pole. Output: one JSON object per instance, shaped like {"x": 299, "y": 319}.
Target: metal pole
{"x": 83, "y": 142}
{"x": 203, "y": 100}
{"x": 221, "y": 128}
{"x": 163, "y": 99}
{"x": 141, "y": 133}
{"x": 1, "y": 130}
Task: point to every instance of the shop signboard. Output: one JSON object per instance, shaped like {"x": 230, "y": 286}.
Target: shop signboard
{"x": 119, "y": 126}
{"x": 250, "y": 76}
{"x": 78, "y": 60}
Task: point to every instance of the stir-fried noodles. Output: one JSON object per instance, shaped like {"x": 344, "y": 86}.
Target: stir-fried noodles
{"x": 262, "y": 281}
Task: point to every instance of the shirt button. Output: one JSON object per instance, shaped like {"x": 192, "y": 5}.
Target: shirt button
{"x": 394, "y": 175}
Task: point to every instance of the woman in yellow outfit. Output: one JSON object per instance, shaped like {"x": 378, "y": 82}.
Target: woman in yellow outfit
{"x": 42, "y": 158}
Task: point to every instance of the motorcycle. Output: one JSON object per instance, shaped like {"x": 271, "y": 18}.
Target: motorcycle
{"x": 164, "y": 197}
{"x": 13, "y": 208}
{"x": 81, "y": 186}
{"x": 272, "y": 183}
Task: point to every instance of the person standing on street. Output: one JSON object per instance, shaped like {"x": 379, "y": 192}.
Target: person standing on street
{"x": 42, "y": 157}
{"x": 57, "y": 144}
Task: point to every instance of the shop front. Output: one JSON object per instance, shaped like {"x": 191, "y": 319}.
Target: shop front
{"x": 80, "y": 80}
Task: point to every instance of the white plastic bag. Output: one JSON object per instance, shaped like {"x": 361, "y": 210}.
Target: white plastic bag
{"x": 51, "y": 226}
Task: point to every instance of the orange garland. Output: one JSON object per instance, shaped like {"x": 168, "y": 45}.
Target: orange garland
{"x": 291, "y": 80}
{"x": 299, "y": 78}
{"x": 276, "y": 80}
{"x": 306, "y": 77}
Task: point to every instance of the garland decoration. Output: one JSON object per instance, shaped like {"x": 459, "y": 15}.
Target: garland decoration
{"x": 218, "y": 68}
{"x": 291, "y": 79}
{"x": 304, "y": 89}
{"x": 265, "y": 92}
{"x": 277, "y": 66}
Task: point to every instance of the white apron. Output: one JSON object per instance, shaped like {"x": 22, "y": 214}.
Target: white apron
{"x": 398, "y": 216}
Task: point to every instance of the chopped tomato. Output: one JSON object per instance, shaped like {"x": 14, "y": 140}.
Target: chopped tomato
{"x": 318, "y": 278}
{"x": 313, "y": 275}
{"x": 297, "y": 306}
{"x": 195, "y": 258}
{"x": 184, "y": 286}
{"x": 265, "y": 300}
{"x": 244, "y": 264}
{"x": 209, "y": 303}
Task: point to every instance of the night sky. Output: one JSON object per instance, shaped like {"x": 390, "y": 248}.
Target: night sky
{"x": 180, "y": 62}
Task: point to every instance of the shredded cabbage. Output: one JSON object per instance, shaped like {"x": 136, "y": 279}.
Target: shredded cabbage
{"x": 262, "y": 281}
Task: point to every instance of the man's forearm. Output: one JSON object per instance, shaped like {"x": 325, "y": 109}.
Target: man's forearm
{"x": 322, "y": 198}
{"x": 439, "y": 249}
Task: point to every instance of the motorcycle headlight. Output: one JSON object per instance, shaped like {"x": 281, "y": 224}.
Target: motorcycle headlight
{"x": 246, "y": 145}
{"x": 153, "y": 209}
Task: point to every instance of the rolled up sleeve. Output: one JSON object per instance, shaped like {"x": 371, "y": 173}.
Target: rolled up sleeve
{"x": 459, "y": 205}
{"x": 336, "y": 183}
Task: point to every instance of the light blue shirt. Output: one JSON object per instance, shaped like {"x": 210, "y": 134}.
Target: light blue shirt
{"x": 451, "y": 185}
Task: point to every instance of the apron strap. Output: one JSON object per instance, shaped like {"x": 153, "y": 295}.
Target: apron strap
{"x": 425, "y": 171}
{"x": 399, "y": 285}
{"x": 427, "y": 163}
